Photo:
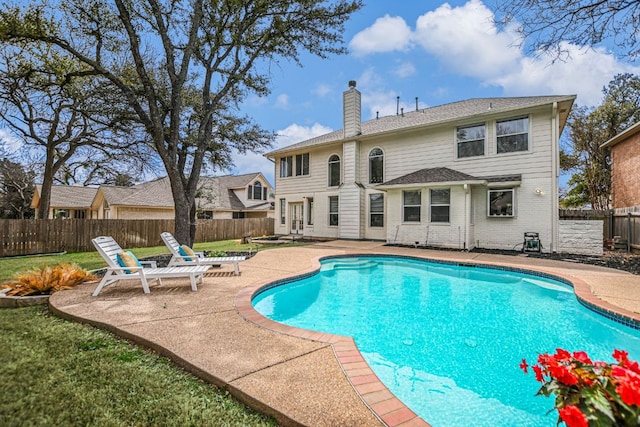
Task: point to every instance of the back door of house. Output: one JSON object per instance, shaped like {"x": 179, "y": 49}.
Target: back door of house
{"x": 297, "y": 217}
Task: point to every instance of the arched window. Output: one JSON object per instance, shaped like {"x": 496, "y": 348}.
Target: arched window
{"x": 376, "y": 166}
{"x": 334, "y": 171}
{"x": 256, "y": 191}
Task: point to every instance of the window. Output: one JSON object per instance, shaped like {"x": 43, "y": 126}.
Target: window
{"x": 376, "y": 210}
{"x": 286, "y": 166}
{"x": 501, "y": 202}
{"x": 376, "y": 163}
{"x": 302, "y": 164}
{"x": 333, "y": 210}
{"x": 61, "y": 214}
{"x": 205, "y": 214}
{"x": 512, "y": 135}
{"x": 440, "y": 204}
{"x": 334, "y": 171}
{"x": 237, "y": 215}
{"x": 470, "y": 140}
{"x": 411, "y": 202}
{"x": 256, "y": 191}
{"x": 283, "y": 219}
{"x": 309, "y": 210}
{"x": 78, "y": 214}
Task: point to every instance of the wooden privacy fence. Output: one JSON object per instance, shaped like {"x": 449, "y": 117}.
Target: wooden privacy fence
{"x": 36, "y": 236}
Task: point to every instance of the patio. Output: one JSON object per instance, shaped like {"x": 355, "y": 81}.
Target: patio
{"x": 299, "y": 377}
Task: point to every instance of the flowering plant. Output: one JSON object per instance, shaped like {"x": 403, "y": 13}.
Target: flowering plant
{"x": 590, "y": 393}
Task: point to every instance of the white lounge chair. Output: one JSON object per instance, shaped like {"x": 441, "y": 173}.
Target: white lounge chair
{"x": 182, "y": 259}
{"x": 109, "y": 249}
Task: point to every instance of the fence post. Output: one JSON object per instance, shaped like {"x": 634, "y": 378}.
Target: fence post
{"x": 629, "y": 232}
{"x": 611, "y": 221}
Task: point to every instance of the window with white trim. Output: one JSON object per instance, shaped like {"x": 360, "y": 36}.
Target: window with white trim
{"x": 302, "y": 164}
{"x": 470, "y": 140}
{"x": 501, "y": 202}
{"x": 255, "y": 191}
{"x": 411, "y": 203}
{"x": 334, "y": 171}
{"x": 333, "y": 210}
{"x": 440, "y": 204}
{"x": 286, "y": 166}
{"x": 376, "y": 166}
{"x": 376, "y": 210}
{"x": 512, "y": 135}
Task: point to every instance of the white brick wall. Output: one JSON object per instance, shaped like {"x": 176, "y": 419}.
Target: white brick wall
{"x": 581, "y": 237}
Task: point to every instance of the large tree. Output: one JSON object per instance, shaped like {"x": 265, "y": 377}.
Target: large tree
{"x": 222, "y": 49}
{"x": 589, "y": 128}
{"x": 48, "y": 100}
{"x": 16, "y": 190}
{"x": 547, "y": 24}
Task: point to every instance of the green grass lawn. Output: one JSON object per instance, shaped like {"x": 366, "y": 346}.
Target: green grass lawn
{"x": 92, "y": 260}
{"x": 60, "y": 373}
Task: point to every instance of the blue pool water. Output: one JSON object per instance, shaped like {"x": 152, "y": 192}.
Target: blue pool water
{"x": 446, "y": 339}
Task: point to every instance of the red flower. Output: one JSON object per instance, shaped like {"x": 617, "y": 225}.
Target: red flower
{"x": 582, "y": 357}
{"x": 562, "y": 355}
{"x": 621, "y": 356}
{"x": 563, "y": 374}
{"x": 524, "y": 365}
{"x": 538, "y": 371}
{"x": 629, "y": 392}
{"x": 573, "y": 417}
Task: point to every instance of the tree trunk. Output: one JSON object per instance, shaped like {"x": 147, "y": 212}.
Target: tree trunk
{"x": 192, "y": 224}
{"x": 45, "y": 193}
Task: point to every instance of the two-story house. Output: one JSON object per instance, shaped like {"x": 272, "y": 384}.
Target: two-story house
{"x": 474, "y": 173}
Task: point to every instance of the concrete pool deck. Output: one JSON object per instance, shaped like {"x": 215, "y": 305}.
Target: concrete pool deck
{"x": 299, "y": 377}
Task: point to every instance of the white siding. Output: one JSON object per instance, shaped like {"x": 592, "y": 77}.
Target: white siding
{"x": 409, "y": 151}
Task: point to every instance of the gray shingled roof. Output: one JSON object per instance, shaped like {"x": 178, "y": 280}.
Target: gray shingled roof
{"x": 436, "y": 175}
{"x": 157, "y": 193}
{"x": 70, "y": 196}
{"x": 431, "y": 175}
{"x": 430, "y": 116}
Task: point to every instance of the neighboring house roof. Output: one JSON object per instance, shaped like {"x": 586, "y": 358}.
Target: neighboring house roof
{"x": 444, "y": 175}
{"x": 628, "y": 132}
{"x": 432, "y": 116}
{"x": 69, "y": 196}
{"x": 157, "y": 194}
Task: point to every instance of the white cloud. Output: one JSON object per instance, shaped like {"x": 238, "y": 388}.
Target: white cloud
{"x": 323, "y": 90}
{"x": 8, "y": 141}
{"x": 466, "y": 40}
{"x": 256, "y": 162}
{"x": 387, "y": 34}
{"x": 585, "y": 73}
{"x": 282, "y": 101}
{"x": 405, "y": 69}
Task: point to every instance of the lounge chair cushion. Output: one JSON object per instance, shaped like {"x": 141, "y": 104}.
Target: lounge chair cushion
{"x": 127, "y": 259}
{"x": 187, "y": 252}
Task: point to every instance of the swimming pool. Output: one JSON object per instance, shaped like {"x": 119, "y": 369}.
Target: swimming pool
{"x": 447, "y": 339}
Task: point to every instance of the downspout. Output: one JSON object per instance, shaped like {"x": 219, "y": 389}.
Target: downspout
{"x": 555, "y": 218}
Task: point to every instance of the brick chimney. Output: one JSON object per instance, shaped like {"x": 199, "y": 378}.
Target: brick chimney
{"x": 352, "y": 111}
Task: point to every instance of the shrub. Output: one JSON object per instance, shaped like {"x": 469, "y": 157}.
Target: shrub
{"x": 45, "y": 280}
{"x": 590, "y": 393}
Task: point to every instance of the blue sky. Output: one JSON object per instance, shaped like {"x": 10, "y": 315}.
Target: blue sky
{"x": 438, "y": 52}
